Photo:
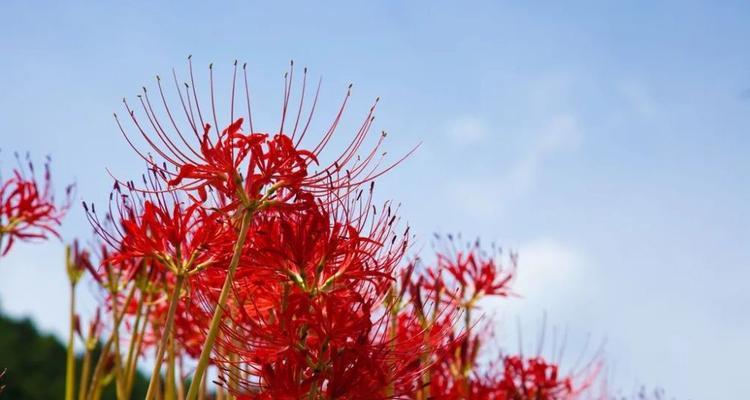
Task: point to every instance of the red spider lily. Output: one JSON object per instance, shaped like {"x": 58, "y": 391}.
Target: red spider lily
{"x": 518, "y": 379}
{"x": 181, "y": 238}
{"x": 452, "y": 371}
{"x": 258, "y": 172}
{"x": 150, "y": 242}
{"x": 410, "y": 330}
{"x": 420, "y": 317}
{"x": 271, "y": 161}
{"x": 307, "y": 315}
{"x": 27, "y": 207}
{"x": 464, "y": 277}
{"x": 244, "y": 167}
{"x": 534, "y": 378}
{"x": 242, "y": 252}
{"x": 467, "y": 275}
{"x": 450, "y": 376}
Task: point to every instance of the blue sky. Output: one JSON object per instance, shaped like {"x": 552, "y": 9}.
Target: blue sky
{"x": 608, "y": 143}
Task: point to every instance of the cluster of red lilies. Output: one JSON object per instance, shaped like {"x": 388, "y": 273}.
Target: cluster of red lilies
{"x": 250, "y": 268}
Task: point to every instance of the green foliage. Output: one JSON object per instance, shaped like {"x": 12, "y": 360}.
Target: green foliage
{"x": 35, "y": 364}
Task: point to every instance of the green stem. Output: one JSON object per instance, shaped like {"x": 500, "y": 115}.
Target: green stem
{"x": 169, "y": 387}
{"x": 70, "y": 371}
{"x": 139, "y": 341}
{"x": 213, "y": 330}
{"x": 133, "y": 341}
{"x": 95, "y": 384}
{"x": 118, "y": 359}
{"x": 165, "y": 336}
{"x": 85, "y": 373}
{"x": 466, "y": 368}
{"x": 234, "y": 375}
{"x": 390, "y": 390}
{"x": 203, "y": 389}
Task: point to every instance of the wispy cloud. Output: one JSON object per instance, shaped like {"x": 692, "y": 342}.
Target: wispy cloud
{"x": 489, "y": 195}
{"x": 552, "y": 276}
{"x": 467, "y": 130}
{"x": 561, "y": 132}
{"x": 555, "y": 283}
{"x": 550, "y": 270}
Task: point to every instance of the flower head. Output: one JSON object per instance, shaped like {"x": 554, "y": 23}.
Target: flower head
{"x": 308, "y": 313}
{"x": 242, "y": 165}
{"x": 28, "y": 209}
{"x": 534, "y": 378}
{"x": 180, "y": 237}
{"x": 466, "y": 274}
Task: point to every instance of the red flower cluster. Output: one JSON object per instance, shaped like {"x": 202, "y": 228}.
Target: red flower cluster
{"x": 28, "y": 209}
{"x": 242, "y": 253}
{"x": 308, "y": 315}
{"x": 307, "y": 257}
{"x": 453, "y": 287}
{"x": 534, "y": 378}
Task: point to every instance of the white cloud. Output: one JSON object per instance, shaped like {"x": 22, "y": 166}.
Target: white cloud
{"x": 549, "y": 269}
{"x": 487, "y": 196}
{"x": 549, "y": 272}
{"x": 467, "y": 130}
{"x": 556, "y": 286}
